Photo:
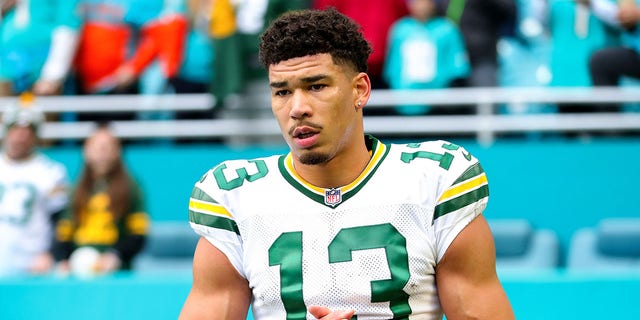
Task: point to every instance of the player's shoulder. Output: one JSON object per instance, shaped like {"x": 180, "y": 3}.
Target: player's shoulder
{"x": 232, "y": 174}
{"x": 432, "y": 148}
{"x": 429, "y": 145}
{"x": 439, "y": 155}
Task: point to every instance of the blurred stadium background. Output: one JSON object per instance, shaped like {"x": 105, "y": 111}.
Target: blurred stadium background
{"x": 564, "y": 205}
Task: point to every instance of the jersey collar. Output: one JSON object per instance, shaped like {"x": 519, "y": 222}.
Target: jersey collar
{"x": 333, "y": 197}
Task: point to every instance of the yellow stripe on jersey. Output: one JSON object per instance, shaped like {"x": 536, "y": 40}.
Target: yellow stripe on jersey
{"x": 208, "y": 207}
{"x": 372, "y": 163}
{"x": 289, "y": 163}
{"x": 464, "y": 187}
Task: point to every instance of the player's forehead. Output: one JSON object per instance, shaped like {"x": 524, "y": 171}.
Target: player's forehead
{"x": 304, "y": 69}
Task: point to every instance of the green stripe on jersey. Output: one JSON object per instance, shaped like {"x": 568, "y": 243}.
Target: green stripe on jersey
{"x": 198, "y": 194}
{"x": 213, "y": 221}
{"x": 461, "y": 201}
{"x": 473, "y": 171}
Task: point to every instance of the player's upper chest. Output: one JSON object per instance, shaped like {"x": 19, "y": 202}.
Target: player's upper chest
{"x": 272, "y": 187}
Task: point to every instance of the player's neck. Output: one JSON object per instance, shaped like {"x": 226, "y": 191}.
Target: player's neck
{"x": 341, "y": 170}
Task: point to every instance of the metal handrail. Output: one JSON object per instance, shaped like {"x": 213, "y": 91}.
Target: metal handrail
{"x": 485, "y": 123}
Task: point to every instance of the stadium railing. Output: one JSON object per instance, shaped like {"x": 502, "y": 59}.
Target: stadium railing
{"x": 485, "y": 124}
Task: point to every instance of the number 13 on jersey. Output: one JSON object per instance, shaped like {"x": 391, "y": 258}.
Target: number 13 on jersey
{"x": 286, "y": 252}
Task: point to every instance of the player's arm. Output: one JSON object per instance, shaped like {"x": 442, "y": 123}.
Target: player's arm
{"x": 218, "y": 290}
{"x": 468, "y": 285}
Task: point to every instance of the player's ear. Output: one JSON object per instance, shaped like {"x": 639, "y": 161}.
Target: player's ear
{"x": 362, "y": 89}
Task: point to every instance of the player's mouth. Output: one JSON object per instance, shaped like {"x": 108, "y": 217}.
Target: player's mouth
{"x": 305, "y": 137}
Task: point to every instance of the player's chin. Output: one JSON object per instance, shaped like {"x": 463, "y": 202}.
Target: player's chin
{"x": 313, "y": 157}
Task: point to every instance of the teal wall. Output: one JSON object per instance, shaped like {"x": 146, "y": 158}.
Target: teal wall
{"x": 561, "y": 185}
{"x": 555, "y": 295}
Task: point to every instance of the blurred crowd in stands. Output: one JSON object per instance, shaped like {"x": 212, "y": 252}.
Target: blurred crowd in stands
{"x": 98, "y": 226}
{"x": 93, "y": 47}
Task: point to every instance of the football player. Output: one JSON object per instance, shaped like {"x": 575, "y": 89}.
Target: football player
{"x": 343, "y": 226}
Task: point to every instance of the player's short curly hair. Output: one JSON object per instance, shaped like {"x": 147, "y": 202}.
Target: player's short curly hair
{"x": 309, "y": 32}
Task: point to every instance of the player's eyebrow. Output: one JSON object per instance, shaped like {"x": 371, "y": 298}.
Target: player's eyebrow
{"x": 314, "y": 78}
{"x": 311, "y": 79}
{"x": 279, "y": 84}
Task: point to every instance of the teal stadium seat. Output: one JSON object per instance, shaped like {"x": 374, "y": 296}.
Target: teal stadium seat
{"x": 520, "y": 246}
{"x": 614, "y": 244}
{"x": 170, "y": 247}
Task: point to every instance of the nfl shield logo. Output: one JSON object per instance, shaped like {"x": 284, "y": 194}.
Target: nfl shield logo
{"x": 332, "y": 197}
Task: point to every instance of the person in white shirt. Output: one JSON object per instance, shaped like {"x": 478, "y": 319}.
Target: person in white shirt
{"x": 33, "y": 189}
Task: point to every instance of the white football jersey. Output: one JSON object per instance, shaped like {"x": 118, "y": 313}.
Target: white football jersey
{"x": 371, "y": 245}
{"x": 30, "y": 191}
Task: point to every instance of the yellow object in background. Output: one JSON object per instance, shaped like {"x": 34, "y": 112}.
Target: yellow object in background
{"x": 223, "y": 19}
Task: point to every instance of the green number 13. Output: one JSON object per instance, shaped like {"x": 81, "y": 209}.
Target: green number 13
{"x": 242, "y": 173}
{"x": 286, "y": 252}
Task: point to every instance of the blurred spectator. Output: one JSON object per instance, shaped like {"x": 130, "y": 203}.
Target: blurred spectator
{"x": 375, "y": 17}
{"x": 576, "y": 32}
{"x": 33, "y": 190}
{"x": 240, "y": 83}
{"x": 119, "y": 40}
{"x": 236, "y": 26}
{"x": 609, "y": 66}
{"x": 106, "y": 212}
{"x": 482, "y": 23}
{"x": 578, "y": 28}
{"x": 425, "y": 51}
{"x": 38, "y": 39}
{"x": 196, "y": 72}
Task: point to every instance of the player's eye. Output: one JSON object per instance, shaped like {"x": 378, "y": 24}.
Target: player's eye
{"x": 281, "y": 93}
{"x": 317, "y": 86}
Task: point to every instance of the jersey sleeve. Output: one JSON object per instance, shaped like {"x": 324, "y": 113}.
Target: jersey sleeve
{"x": 462, "y": 196}
{"x": 211, "y": 219}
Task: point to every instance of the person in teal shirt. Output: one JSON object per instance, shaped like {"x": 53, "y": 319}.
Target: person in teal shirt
{"x": 608, "y": 66}
{"x": 578, "y": 28}
{"x": 576, "y": 32}
{"x": 620, "y": 65}
{"x": 425, "y": 51}
{"x": 38, "y": 39}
